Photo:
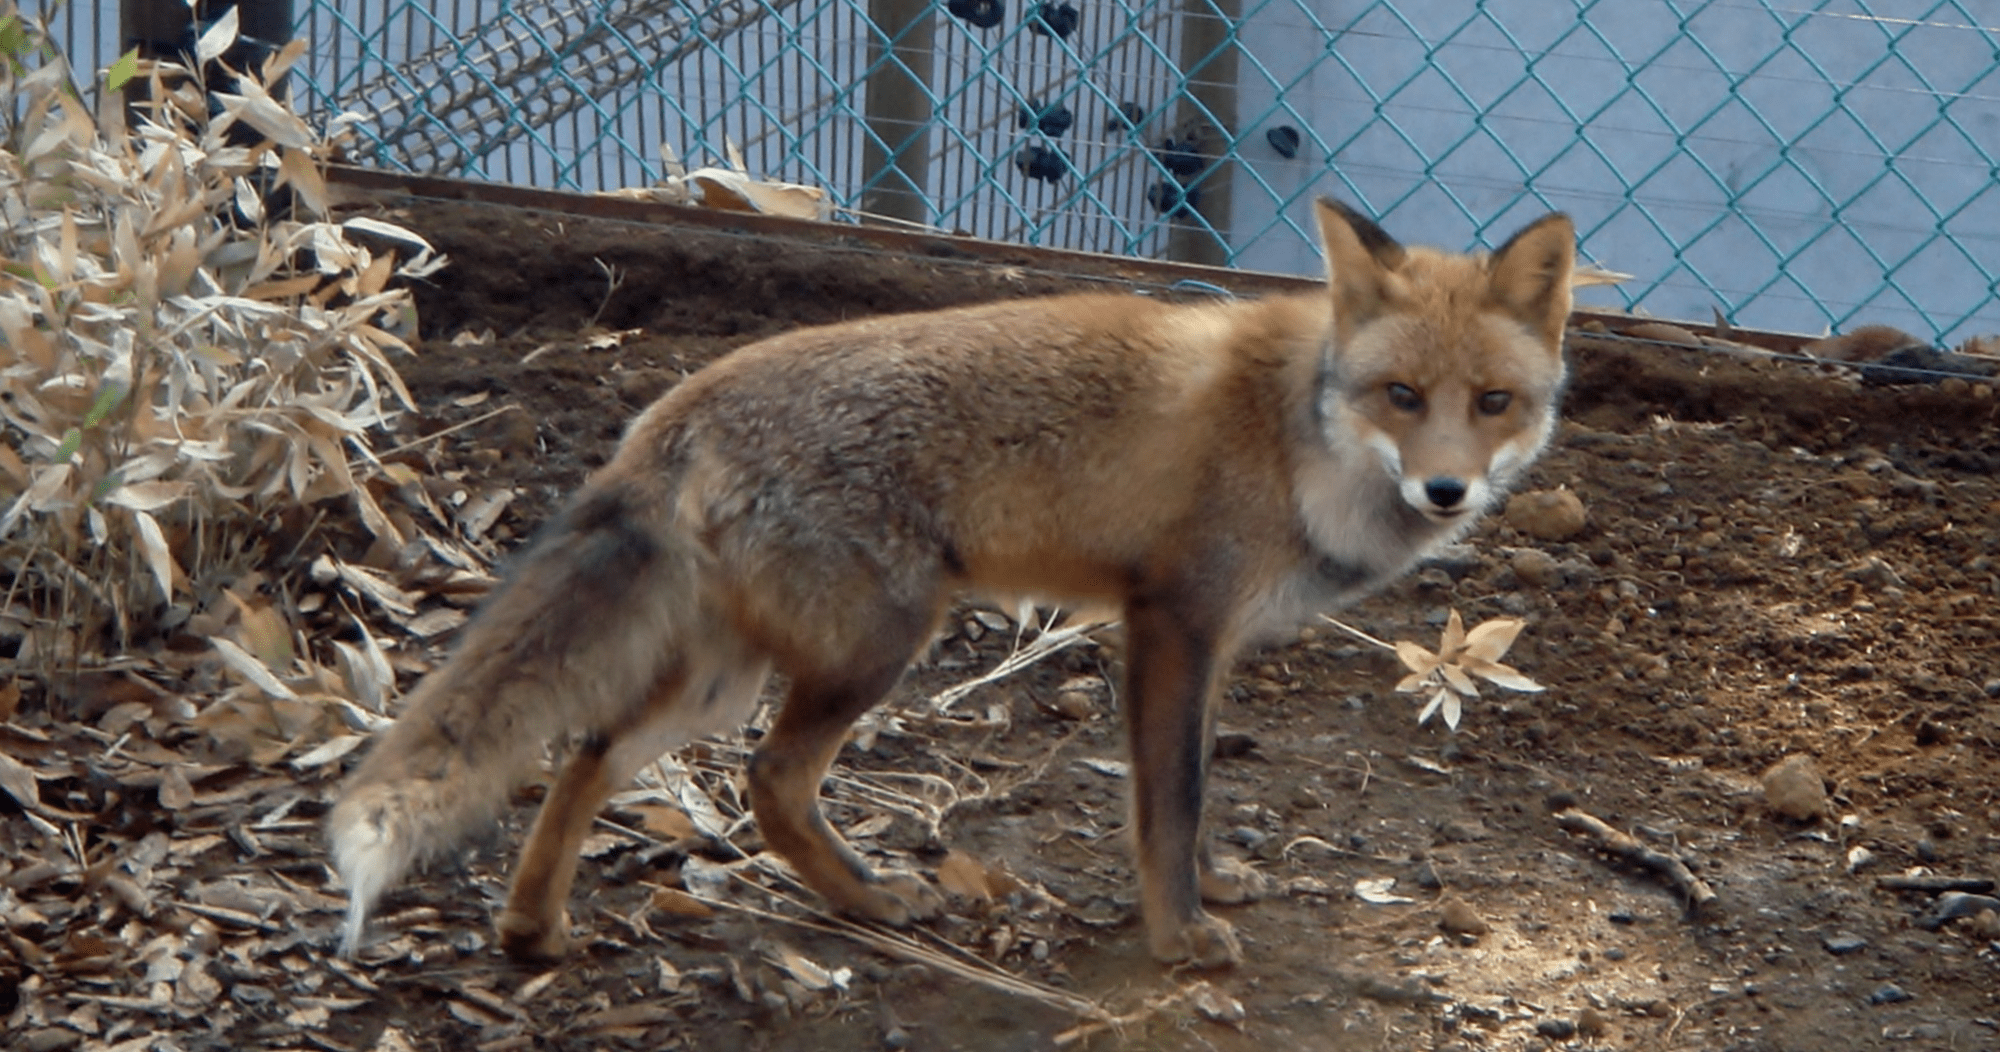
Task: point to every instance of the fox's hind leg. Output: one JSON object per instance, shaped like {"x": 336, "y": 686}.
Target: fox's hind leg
{"x": 792, "y": 760}
{"x": 535, "y": 923}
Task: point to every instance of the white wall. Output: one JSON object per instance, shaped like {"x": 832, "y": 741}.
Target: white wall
{"x": 1788, "y": 158}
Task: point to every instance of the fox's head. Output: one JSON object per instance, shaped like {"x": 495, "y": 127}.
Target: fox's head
{"x": 1446, "y": 366}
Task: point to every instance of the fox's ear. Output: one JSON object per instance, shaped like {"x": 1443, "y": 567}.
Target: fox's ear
{"x": 1360, "y": 261}
{"x": 1529, "y": 277}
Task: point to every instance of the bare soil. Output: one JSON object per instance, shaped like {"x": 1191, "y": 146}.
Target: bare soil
{"x": 1778, "y": 561}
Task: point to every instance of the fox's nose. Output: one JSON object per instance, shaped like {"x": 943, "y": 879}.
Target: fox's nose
{"x": 1445, "y": 491}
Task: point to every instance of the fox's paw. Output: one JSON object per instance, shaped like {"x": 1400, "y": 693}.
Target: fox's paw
{"x": 1203, "y": 941}
{"x": 896, "y": 899}
{"x": 1230, "y": 882}
{"x": 530, "y": 939}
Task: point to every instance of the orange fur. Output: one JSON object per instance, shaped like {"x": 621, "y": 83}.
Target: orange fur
{"x": 812, "y": 502}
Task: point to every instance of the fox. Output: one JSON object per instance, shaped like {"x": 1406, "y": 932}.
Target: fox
{"x": 811, "y": 504}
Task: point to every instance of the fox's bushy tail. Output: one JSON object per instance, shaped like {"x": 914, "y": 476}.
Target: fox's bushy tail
{"x": 598, "y": 615}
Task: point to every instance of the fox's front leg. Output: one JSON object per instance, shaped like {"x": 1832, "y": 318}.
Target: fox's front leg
{"x": 1171, "y": 672}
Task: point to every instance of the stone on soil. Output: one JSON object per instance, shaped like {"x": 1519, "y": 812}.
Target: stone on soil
{"x": 1794, "y": 790}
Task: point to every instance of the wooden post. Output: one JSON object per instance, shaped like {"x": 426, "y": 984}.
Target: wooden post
{"x": 895, "y": 159}
{"x": 1208, "y": 62}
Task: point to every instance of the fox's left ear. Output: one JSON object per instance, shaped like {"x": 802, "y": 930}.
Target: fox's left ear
{"x": 1529, "y": 277}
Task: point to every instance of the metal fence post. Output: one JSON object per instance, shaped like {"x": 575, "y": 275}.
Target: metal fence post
{"x": 895, "y": 166}
{"x": 165, "y": 28}
{"x": 1208, "y": 62}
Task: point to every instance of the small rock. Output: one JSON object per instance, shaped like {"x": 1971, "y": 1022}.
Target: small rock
{"x": 1874, "y": 573}
{"x": 1462, "y": 831}
{"x": 1234, "y": 745}
{"x": 1953, "y": 905}
{"x": 1457, "y": 918}
{"x": 1793, "y": 788}
{"x": 1591, "y": 1023}
{"x": 1888, "y": 994}
{"x": 50, "y": 1039}
{"x": 1841, "y": 943}
{"x": 1556, "y": 1029}
{"x": 1663, "y": 332}
{"x": 515, "y": 434}
{"x": 645, "y": 386}
{"x": 1216, "y": 1005}
{"x": 1922, "y": 364}
{"x": 1985, "y": 924}
{"x": 1073, "y": 705}
{"x": 1457, "y": 561}
{"x": 1535, "y": 568}
{"x": 1427, "y": 876}
{"x": 1869, "y": 343}
{"x": 1246, "y": 836}
{"x": 1546, "y": 515}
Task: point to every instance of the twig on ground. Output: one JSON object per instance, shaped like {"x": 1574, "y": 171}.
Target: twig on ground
{"x": 1696, "y": 892}
{"x": 897, "y": 945}
{"x": 1048, "y": 641}
{"x": 440, "y": 433}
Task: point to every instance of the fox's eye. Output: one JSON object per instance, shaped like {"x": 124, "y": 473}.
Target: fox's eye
{"x": 1493, "y": 403}
{"x": 1405, "y": 397}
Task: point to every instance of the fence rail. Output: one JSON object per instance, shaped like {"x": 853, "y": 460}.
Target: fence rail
{"x": 1794, "y": 164}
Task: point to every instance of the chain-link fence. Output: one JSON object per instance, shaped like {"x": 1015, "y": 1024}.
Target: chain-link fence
{"x": 1793, "y": 164}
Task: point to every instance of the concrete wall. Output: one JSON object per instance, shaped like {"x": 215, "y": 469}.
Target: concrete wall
{"x": 1795, "y": 165}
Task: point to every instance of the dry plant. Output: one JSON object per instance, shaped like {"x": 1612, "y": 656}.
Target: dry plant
{"x": 191, "y": 369}
{"x": 1448, "y": 673}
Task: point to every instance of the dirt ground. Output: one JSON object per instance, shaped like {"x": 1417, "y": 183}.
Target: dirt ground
{"x": 1778, "y": 561}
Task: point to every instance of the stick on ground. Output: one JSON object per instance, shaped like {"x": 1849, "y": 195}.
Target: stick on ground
{"x": 1699, "y": 896}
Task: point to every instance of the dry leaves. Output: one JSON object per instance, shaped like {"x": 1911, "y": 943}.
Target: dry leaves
{"x": 1448, "y": 672}
{"x": 195, "y": 351}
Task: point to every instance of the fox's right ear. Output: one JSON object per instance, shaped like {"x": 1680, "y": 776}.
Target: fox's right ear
{"x": 1361, "y": 261}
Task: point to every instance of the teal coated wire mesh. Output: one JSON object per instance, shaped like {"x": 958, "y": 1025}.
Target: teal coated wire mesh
{"x": 1796, "y": 164}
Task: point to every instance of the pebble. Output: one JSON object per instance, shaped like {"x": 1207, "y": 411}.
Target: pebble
{"x": 1457, "y": 918}
{"x": 1535, "y": 568}
{"x": 1663, "y": 332}
{"x": 1794, "y": 789}
{"x": 1592, "y": 1023}
{"x": 1841, "y": 942}
{"x": 1556, "y": 1029}
{"x": 1954, "y": 905}
{"x": 1546, "y": 515}
{"x": 1873, "y": 572}
{"x": 1073, "y": 705}
{"x": 1234, "y": 745}
{"x": 644, "y": 386}
{"x": 1888, "y": 994}
{"x": 1458, "y": 561}
{"x": 1868, "y": 343}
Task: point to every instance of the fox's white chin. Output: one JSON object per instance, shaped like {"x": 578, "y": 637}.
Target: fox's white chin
{"x": 1444, "y": 516}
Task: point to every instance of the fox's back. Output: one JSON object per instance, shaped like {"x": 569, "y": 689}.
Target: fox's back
{"x": 1039, "y": 444}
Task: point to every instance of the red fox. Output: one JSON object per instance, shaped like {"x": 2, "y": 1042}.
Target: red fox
{"x": 812, "y": 502}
